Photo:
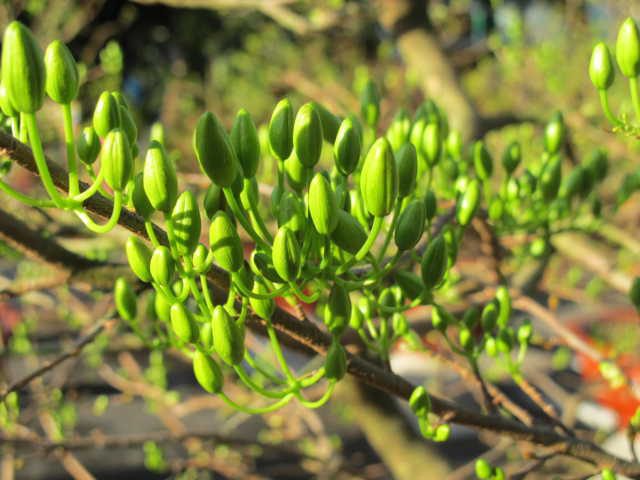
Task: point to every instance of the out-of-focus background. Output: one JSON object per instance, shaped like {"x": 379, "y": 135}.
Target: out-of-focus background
{"x": 500, "y": 68}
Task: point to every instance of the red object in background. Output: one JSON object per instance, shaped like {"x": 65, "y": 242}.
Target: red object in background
{"x": 623, "y": 400}
{"x": 9, "y": 318}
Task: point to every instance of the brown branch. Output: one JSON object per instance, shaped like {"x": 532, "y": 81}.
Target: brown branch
{"x": 81, "y": 343}
{"x": 310, "y": 336}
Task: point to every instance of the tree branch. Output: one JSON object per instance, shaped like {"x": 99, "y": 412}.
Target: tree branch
{"x": 310, "y": 336}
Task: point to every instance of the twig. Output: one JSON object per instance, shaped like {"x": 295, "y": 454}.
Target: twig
{"x": 75, "y": 351}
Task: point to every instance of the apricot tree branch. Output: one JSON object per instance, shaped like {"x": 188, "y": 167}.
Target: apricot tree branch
{"x": 309, "y": 336}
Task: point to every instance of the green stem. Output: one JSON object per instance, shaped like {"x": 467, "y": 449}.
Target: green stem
{"x": 237, "y": 212}
{"x": 256, "y": 410}
{"x": 246, "y": 379}
{"x": 275, "y": 344}
{"x": 635, "y": 97}
{"x": 41, "y": 162}
{"x": 113, "y": 220}
{"x": 322, "y": 400}
{"x": 74, "y": 183}
{"x": 259, "y": 221}
{"x": 148, "y": 226}
{"x": 373, "y": 234}
{"x": 604, "y": 102}
{"x": 27, "y": 200}
{"x": 206, "y": 293}
{"x": 89, "y": 192}
{"x": 392, "y": 227}
{"x": 255, "y": 364}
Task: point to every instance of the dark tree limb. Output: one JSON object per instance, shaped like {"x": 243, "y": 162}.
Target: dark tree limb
{"x": 308, "y": 335}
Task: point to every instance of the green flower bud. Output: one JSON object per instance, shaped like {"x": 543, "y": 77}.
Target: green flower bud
{"x": 554, "y": 134}
{"x": 23, "y": 72}
{"x": 387, "y": 300}
{"x": 140, "y": 200}
{"x": 634, "y": 293}
{"x": 262, "y": 266}
{"x": 511, "y": 158}
{"x": 398, "y": 131}
{"x": 348, "y": 234}
{"x": 244, "y": 138}
{"x": 323, "y": 206}
{"x": 213, "y": 200}
{"x": 183, "y": 323}
{"x": 228, "y": 336}
{"x": 407, "y": 167}
{"x": 330, "y": 122}
{"x": 139, "y": 257}
{"x": 125, "y": 299}
{"x": 281, "y": 130}
{"x": 454, "y": 144}
{"x": 5, "y": 103}
{"x": 482, "y": 161}
{"x": 489, "y": 317}
{"x": 399, "y": 324}
{"x": 598, "y": 164}
{"x": 483, "y": 469}
{"x": 356, "y": 319}
{"x": 468, "y": 203}
{"x": 157, "y": 134}
{"x": 491, "y": 346}
{"x": 608, "y": 474}
{"x": 128, "y": 124}
{"x": 410, "y": 225}
{"x": 370, "y": 104}
{"x": 465, "y": 338}
{"x": 430, "y": 205}
{"x": 471, "y": 317}
{"x": 225, "y": 242}
{"x": 504, "y": 306}
{"x": 244, "y": 278}
{"x": 505, "y": 340}
{"x": 442, "y": 433}
{"x": 496, "y": 208}
{"x": 162, "y": 266}
{"x": 601, "y": 69}
{"x": 419, "y": 402}
{"x": 410, "y": 283}
{"x": 298, "y": 175}
{"x": 61, "y": 73}
{"x": 205, "y": 337}
{"x": 573, "y": 184}
{"x": 627, "y": 49}
{"x": 417, "y": 134}
{"x": 159, "y": 178}
{"x": 347, "y": 146}
{"x": 440, "y": 318}
{"x": 214, "y": 151}
{"x": 431, "y": 143}
{"x": 525, "y": 331}
{"x": 88, "y": 145}
{"x": 185, "y": 220}
{"x": 307, "y": 135}
{"x": 199, "y": 259}
{"x": 207, "y": 372}
{"x": 379, "y": 179}
{"x": 550, "y": 178}
{"x": 452, "y": 240}
{"x": 264, "y": 308}
{"x": 116, "y": 160}
{"x": 434, "y": 263}
{"x": 335, "y": 365}
{"x": 162, "y": 306}
{"x": 106, "y": 116}
{"x": 291, "y": 213}
{"x": 357, "y": 208}
{"x": 286, "y": 255}
{"x": 337, "y": 310}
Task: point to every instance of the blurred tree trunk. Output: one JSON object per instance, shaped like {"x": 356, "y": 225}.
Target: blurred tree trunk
{"x": 406, "y": 454}
{"x": 408, "y": 22}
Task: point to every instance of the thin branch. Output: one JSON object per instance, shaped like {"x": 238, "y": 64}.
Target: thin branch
{"x": 80, "y": 344}
{"x": 310, "y": 336}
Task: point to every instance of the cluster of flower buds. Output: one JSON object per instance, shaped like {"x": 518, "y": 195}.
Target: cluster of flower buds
{"x": 602, "y": 72}
{"x": 356, "y": 225}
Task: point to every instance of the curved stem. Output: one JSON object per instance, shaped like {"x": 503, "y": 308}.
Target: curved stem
{"x": 41, "y": 162}
{"x": 74, "y": 183}
{"x": 255, "y": 364}
{"x": 256, "y": 410}
{"x": 275, "y": 344}
{"x": 302, "y": 296}
{"x": 604, "y": 102}
{"x": 148, "y": 226}
{"x": 259, "y": 221}
{"x": 27, "y": 200}
{"x": 373, "y": 234}
{"x": 392, "y": 227}
{"x": 237, "y": 211}
{"x": 246, "y": 379}
{"x": 89, "y": 192}
{"x": 205, "y": 292}
{"x": 113, "y": 220}
{"x": 323, "y": 399}
{"x": 259, "y": 296}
